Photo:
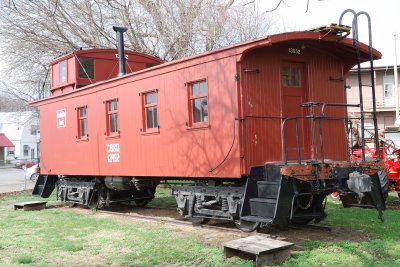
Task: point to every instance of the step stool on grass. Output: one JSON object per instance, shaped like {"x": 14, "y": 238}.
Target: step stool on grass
{"x": 260, "y": 249}
{"x": 30, "y": 205}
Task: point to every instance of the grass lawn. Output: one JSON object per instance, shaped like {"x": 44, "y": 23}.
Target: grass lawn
{"x": 55, "y": 237}
{"x": 383, "y": 249}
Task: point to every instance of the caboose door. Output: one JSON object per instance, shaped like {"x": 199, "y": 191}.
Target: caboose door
{"x": 294, "y": 93}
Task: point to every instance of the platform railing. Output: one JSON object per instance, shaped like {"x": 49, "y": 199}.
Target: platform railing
{"x": 317, "y": 140}
{"x": 314, "y": 119}
{"x": 316, "y": 116}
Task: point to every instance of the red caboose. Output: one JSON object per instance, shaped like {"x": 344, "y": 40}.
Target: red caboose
{"x": 259, "y": 126}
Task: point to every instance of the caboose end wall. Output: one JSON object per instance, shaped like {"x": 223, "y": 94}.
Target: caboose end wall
{"x": 276, "y": 80}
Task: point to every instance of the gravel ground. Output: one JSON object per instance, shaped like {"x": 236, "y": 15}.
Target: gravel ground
{"x": 13, "y": 179}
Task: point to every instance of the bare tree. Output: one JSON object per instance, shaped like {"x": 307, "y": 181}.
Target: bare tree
{"x": 32, "y": 33}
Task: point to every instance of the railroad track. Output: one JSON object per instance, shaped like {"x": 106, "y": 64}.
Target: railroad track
{"x": 226, "y": 227}
{"x": 223, "y": 227}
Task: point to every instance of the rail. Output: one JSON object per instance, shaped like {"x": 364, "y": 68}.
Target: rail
{"x": 314, "y": 118}
{"x": 356, "y": 44}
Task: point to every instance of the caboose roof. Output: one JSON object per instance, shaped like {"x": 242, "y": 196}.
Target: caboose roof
{"x": 99, "y": 51}
{"x": 332, "y": 41}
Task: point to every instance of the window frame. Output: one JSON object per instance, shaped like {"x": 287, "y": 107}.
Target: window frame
{"x": 201, "y": 124}
{"x": 25, "y": 148}
{"x": 145, "y": 130}
{"x": 385, "y": 91}
{"x": 80, "y": 63}
{"x": 34, "y": 129}
{"x": 291, "y": 67}
{"x": 108, "y": 131}
{"x": 66, "y": 71}
{"x": 79, "y": 119}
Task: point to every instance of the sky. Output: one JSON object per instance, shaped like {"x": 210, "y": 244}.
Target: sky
{"x": 385, "y": 20}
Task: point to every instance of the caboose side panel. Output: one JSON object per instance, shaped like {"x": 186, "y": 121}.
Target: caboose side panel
{"x": 276, "y": 81}
{"x": 176, "y": 147}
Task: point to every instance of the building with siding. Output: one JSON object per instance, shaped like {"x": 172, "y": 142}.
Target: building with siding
{"x": 384, "y": 91}
{"x": 22, "y": 129}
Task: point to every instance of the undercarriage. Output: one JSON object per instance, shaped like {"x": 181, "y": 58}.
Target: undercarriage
{"x": 97, "y": 192}
{"x": 282, "y": 194}
{"x": 273, "y": 194}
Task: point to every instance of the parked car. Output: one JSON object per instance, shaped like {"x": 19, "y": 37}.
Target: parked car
{"x": 27, "y": 163}
{"x": 32, "y": 172}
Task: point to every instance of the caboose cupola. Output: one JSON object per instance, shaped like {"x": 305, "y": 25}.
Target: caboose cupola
{"x": 85, "y": 67}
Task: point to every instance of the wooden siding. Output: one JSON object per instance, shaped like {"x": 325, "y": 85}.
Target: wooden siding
{"x": 177, "y": 150}
{"x": 262, "y": 97}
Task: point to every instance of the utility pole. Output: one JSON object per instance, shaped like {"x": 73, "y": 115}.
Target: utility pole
{"x": 396, "y": 81}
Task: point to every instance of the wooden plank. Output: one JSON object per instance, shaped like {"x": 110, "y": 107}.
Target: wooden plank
{"x": 257, "y": 245}
{"x": 262, "y": 250}
{"x": 273, "y": 258}
{"x": 30, "y": 205}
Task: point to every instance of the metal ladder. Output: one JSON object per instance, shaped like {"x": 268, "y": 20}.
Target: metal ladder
{"x": 360, "y": 83}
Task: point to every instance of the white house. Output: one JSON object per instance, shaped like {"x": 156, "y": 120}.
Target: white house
{"x": 22, "y": 130}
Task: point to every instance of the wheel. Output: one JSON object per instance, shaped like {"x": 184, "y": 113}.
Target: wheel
{"x": 384, "y": 180}
{"x": 93, "y": 202}
{"x": 199, "y": 220}
{"x": 34, "y": 177}
{"x": 301, "y": 221}
{"x": 308, "y": 209}
{"x": 71, "y": 204}
{"x": 246, "y": 226}
{"x": 334, "y": 196}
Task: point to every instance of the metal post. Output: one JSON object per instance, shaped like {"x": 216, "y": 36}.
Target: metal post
{"x": 24, "y": 167}
{"x": 371, "y": 61}
{"x": 356, "y": 44}
{"x": 396, "y": 81}
{"x": 360, "y": 91}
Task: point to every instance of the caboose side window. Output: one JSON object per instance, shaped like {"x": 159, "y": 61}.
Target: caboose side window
{"x": 63, "y": 71}
{"x": 112, "y": 117}
{"x": 150, "y": 110}
{"x": 86, "y": 68}
{"x": 198, "y": 102}
{"x": 82, "y": 123}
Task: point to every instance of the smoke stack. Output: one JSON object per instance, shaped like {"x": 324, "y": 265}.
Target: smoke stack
{"x": 121, "y": 52}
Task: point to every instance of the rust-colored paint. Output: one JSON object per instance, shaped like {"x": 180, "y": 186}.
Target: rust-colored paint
{"x": 105, "y": 67}
{"x": 244, "y": 95}
{"x": 266, "y": 102}
{"x": 324, "y": 170}
{"x": 294, "y": 93}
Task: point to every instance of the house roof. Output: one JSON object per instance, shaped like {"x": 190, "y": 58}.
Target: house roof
{"x": 4, "y": 141}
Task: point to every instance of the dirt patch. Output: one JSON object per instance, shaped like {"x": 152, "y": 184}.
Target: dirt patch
{"x": 15, "y": 193}
{"x": 299, "y": 235}
{"x": 393, "y": 205}
{"x": 76, "y": 260}
{"x": 296, "y": 235}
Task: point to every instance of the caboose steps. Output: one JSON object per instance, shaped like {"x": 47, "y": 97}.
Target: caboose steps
{"x": 44, "y": 186}
{"x": 261, "y": 194}
{"x": 264, "y": 207}
{"x": 267, "y": 189}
